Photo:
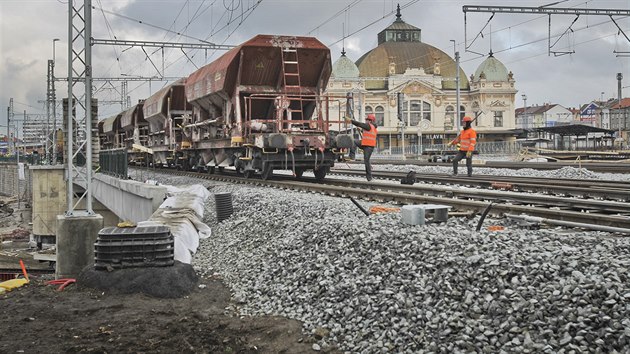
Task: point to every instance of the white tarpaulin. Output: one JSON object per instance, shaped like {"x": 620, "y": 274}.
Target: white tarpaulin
{"x": 182, "y": 212}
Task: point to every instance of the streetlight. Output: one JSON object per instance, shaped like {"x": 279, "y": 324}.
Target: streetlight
{"x": 456, "y": 86}
{"x": 54, "y": 41}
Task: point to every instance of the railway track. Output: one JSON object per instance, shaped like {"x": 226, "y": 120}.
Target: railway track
{"x": 580, "y": 188}
{"x": 608, "y": 214}
{"x": 622, "y": 166}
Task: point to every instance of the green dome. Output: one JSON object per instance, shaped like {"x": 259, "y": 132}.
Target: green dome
{"x": 492, "y": 70}
{"x": 344, "y": 68}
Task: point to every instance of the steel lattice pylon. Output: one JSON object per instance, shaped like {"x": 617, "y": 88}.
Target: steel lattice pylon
{"x": 50, "y": 113}
{"x": 78, "y": 132}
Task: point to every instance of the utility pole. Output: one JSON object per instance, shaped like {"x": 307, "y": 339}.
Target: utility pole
{"x": 525, "y": 121}
{"x": 9, "y": 118}
{"x": 8, "y": 121}
{"x": 49, "y": 102}
{"x": 401, "y": 121}
{"x": 53, "y": 97}
{"x": 457, "y": 93}
{"x": 619, "y": 77}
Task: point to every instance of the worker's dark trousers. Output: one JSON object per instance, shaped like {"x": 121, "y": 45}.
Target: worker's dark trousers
{"x": 367, "y": 153}
{"x": 460, "y": 155}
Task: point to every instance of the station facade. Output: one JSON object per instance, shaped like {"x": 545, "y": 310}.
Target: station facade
{"x": 426, "y": 77}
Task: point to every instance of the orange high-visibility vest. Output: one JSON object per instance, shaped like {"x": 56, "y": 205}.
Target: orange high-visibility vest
{"x": 369, "y": 136}
{"x": 467, "y": 140}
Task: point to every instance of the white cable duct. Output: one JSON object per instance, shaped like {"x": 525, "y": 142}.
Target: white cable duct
{"x": 569, "y": 223}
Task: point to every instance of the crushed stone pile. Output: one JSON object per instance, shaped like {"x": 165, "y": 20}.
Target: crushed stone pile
{"x": 375, "y": 284}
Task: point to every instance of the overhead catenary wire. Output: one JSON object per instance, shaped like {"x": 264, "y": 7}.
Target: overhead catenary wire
{"x": 112, "y": 35}
{"x": 345, "y": 9}
{"x": 243, "y": 17}
{"x": 152, "y": 25}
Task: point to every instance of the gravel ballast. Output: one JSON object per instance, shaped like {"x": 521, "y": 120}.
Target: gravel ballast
{"x": 374, "y": 284}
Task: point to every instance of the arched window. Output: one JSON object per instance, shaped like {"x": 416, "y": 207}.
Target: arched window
{"x": 368, "y": 110}
{"x": 380, "y": 116}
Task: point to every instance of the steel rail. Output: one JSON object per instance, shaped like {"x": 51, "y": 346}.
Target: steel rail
{"x": 379, "y": 192}
{"x": 606, "y": 190}
{"x": 622, "y": 166}
{"x": 602, "y": 206}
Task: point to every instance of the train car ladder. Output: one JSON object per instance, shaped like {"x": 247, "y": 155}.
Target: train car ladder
{"x": 291, "y": 76}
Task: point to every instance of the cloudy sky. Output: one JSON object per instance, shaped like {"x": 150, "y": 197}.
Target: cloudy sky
{"x": 28, "y": 28}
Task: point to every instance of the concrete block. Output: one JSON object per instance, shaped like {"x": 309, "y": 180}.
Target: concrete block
{"x": 413, "y": 214}
{"x": 416, "y": 214}
{"x": 440, "y": 211}
{"x": 76, "y": 236}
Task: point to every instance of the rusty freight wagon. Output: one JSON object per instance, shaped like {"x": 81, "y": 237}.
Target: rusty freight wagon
{"x": 109, "y": 133}
{"x": 165, "y": 111}
{"x": 260, "y": 107}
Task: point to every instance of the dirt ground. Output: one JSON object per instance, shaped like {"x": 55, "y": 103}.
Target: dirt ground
{"x": 37, "y": 318}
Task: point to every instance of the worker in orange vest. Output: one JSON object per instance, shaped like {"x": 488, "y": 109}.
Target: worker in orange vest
{"x": 467, "y": 140}
{"x": 367, "y": 142}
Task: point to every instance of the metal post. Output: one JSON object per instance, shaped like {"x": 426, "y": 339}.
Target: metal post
{"x": 11, "y": 112}
{"x": 401, "y": 121}
{"x": 79, "y": 132}
{"x": 70, "y": 131}
{"x": 48, "y": 110}
{"x": 526, "y": 124}
{"x": 17, "y": 153}
{"x": 53, "y": 97}
{"x": 88, "y": 103}
{"x": 419, "y": 141}
{"x": 457, "y": 93}
{"x": 619, "y": 77}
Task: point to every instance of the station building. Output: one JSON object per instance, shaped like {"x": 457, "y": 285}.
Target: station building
{"x": 426, "y": 77}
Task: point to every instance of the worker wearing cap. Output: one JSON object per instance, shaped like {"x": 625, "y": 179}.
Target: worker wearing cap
{"x": 367, "y": 142}
{"x": 466, "y": 140}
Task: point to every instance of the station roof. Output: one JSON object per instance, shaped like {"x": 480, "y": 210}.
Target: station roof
{"x": 573, "y": 129}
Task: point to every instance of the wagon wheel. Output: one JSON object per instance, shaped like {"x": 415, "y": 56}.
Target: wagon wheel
{"x": 248, "y": 173}
{"x": 239, "y": 166}
{"x": 267, "y": 171}
{"x": 320, "y": 173}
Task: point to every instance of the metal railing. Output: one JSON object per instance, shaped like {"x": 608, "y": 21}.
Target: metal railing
{"x": 113, "y": 162}
{"x": 414, "y": 150}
